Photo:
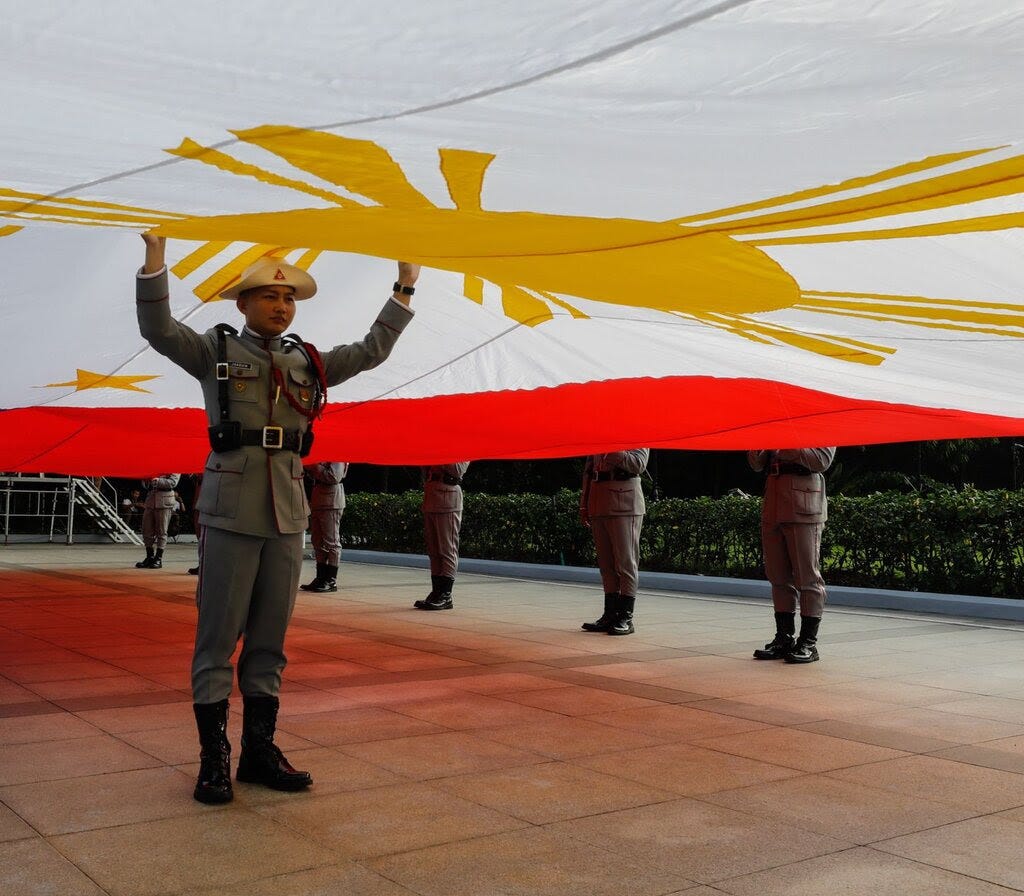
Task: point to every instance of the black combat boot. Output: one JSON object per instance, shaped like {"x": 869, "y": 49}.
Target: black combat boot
{"x": 623, "y": 622}
{"x": 148, "y": 562}
{"x": 783, "y": 642}
{"x": 326, "y": 580}
{"x": 440, "y": 598}
{"x": 805, "y": 650}
{"x": 433, "y": 593}
{"x": 214, "y": 782}
{"x": 158, "y": 559}
{"x": 261, "y": 762}
{"x": 611, "y": 602}
{"x": 317, "y": 583}
{"x": 193, "y": 570}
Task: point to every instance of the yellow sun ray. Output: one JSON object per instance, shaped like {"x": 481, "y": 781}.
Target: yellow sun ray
{"x": 523, "y": 307}
{"x": 357, "y": 165}
{"x": 211, "y": 288}
{"x": 463, "y": 172}
{"x": 87, "y": 379}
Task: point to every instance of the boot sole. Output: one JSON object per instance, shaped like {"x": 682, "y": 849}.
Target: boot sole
{"x": 212, "y": 799}
{"x": 796, "y": 662}
{"x": 274, "y": 785}
{"x": 428, "y": 607}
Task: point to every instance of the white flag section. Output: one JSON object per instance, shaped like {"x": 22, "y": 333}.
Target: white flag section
{"x": 690, "y": 224}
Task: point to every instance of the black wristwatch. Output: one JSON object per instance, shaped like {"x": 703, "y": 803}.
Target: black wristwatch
{"x": 404, "y": 290}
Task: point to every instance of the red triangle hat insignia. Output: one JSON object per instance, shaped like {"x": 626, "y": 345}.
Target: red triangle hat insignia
{"x": 279, "y": 275}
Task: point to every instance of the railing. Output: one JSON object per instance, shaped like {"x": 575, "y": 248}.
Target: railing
{"x": 52, "y": 501}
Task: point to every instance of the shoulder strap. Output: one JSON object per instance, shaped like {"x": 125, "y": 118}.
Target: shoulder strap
{"x": 223, "y": 371}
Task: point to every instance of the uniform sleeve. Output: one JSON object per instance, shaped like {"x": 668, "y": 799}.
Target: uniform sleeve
{"x": 184, "y": 346}
{"x": 816, "y": 459}
{"x": 588, "y": 468}
{"x": 757, "y": 460}
{"x": 633, "y": 461}
{"x": 346, "y": 361}
{"x": 458, "y": 470}
{"x": 169, "y": 481}
{"x": 329, "y": 473}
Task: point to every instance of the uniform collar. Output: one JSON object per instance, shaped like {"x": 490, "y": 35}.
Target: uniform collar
{"x": 267, "y": 343}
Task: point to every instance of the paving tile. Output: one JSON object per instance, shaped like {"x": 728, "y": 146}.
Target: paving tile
{"x": 469, "y": 711}
{"x": 441, "y": 755}
{"x": 534, "y": 862}
{"x": 499, "y": 682}
{"x": 346, "y": 879}
{"x": 12, "y": 826}
{"x": 97, "y": 801}
{"x": 212, "y": 849}
{"x": 384, "y": 820}
{"x": 851, "y": 730}
{"x": 983, "y": 848}
{"x": 840, "y": 809}
{"x": 568, "y": 738}
{"x": 552, "y": 791}
{"x": 676, "y": 723}
{"x": 25, "y": 763}
{"x": 956, "y": 729}
{"x": 1003, "y": 709}
{"x": 354, "y": 726}
{"x": 973, "y": 787}
{"x": 697, "y": 841}
{"x": 855, "y": 872}
{"x": 801, "y": 750}
{"x": 119, "y": 720}
{"x": 686, "y": 769}
{"x": 578, "y": 701}
{"x": 38, "y": 728}
{"x": 34, "y": 868}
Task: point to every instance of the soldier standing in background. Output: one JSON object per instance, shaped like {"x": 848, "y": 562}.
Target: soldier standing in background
{"x": 262, "y": 392}
{"x": 792, "y": 519}
{"x": 442, "y": 520}
{"x": 326, "y": 505}
{"x": 612, "y": 505}
{"x": 156, "y": 517}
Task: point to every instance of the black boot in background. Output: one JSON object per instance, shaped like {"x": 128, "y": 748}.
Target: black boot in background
{"x": 419, "y": 605}
{"x": 441, "y": 597}
{"x": 158, "y": 559}
{"x": 623, "y": 623}
{"x": 806, "y": 650}
{"x": 148, "y": 562}
{"x": 784, "y": 642}
{"x": 317, "y": 582}
{"x": 327, "y": 580}
{"x": 611, "y": 605}
{"x": 214, "y": 782}
{"x": 261, "y": 762}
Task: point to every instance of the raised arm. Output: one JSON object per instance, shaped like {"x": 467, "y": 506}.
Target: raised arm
{"x": 816, "y": 459}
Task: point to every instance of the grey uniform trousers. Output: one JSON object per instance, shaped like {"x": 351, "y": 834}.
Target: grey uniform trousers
{"x": 155, "y": 521}
{"x": 246, "y": 589}
{"x": 441, "y": 531}
{"x": 791, "y": 563}
{"x": 617, "y": 541}
{"x": 325, "y": 528}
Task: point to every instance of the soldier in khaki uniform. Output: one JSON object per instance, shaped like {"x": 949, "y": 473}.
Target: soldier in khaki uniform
{"x": 792, "y": 519}
{"x": 156, "y": 517}
{"x": 612, "y": 505}
{"x": 326, "y": 505}
{"x": 442, "y": 521}
{"x": 261, "y": 392}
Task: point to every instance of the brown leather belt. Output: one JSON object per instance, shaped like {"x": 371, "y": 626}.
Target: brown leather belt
{"x": 791, "y": 469}
{"x": 613, "y": 475}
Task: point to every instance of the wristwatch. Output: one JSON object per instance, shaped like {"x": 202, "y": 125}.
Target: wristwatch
{"x": 404, "y": 290}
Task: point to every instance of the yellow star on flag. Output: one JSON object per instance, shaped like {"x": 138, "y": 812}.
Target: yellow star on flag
{"x": 89, "y": 380}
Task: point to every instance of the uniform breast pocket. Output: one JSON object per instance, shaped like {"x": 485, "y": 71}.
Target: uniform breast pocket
{"x": 808, "y": 499}
{"x": 244, "y": 382}
{"x": 301, "y": 386}
{"x": 222, "y": 484}
{"x": 300, "y": 507}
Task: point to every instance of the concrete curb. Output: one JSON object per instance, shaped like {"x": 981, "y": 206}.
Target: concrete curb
{"x": 878, "y": 599}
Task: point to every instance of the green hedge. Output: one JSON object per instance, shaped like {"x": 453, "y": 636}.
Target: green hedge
{"x": 955, "y": 542}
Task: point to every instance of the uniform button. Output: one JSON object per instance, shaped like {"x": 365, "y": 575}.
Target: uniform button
{"x": 218, "y": 466}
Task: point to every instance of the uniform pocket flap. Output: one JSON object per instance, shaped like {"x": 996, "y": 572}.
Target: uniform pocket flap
{"x": 300, "y": 376}
{"x": 223, "y": 463}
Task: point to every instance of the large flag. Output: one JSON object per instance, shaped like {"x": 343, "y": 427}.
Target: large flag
{"x": 688, "y": 224}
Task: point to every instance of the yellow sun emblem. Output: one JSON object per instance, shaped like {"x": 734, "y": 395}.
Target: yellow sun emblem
{"x": 720, "y": 275}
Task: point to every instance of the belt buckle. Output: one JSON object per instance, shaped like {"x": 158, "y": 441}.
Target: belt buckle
{"x": 273, "y": 437}
{"x": 223, "y": 370}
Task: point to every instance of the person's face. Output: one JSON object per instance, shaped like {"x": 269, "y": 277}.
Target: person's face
{"x": 268, "y": 310}
{"x": 136, "y": 493}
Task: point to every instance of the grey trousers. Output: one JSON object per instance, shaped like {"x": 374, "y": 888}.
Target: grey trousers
{"x": 325, "y": 533}
{"x": 155, "y": 521}
{"x": 246, "y": 590}
{"x": 791, "y": 562}
{"x": 441, "y": 531}
{"x": 617, "y": 540}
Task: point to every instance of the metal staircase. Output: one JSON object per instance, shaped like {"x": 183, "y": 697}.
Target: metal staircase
{"x": 104, "y": 514}
{"x": 43, "y": 501}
